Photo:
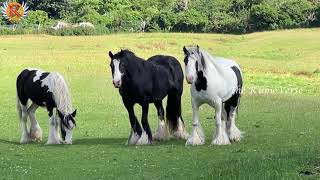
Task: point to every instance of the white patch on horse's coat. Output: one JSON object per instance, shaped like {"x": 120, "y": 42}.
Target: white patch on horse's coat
{"x": 38, "y": 75}
{"x": 117, "y": 74}
{"x": 181, "y": 130}
{"x": 162, "y": 131}
{"x": 143, "y": 139}
{"x": 197, "y": 136}
{"x": 133, "y": 138}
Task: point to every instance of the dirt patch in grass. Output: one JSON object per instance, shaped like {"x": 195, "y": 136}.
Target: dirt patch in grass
{"x": 159, "y": 46}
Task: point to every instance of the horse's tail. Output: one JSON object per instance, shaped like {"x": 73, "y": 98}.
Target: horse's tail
{"x": 173, "y": 110}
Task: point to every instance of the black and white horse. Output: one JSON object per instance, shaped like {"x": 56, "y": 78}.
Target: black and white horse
{"x": 217, "y": 82}
{"x": 145, "y": 82}
{"x": 46, "y": 89}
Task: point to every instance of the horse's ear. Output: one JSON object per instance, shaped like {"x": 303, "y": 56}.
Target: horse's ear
{"x": 121, "y": 52}
{"x": 60, "y": 114}
{"x": 198, "y": 48}
{"x": 74, "y": 113}
{"x": 185, "y": 50}
{"x": 110, "y": 54}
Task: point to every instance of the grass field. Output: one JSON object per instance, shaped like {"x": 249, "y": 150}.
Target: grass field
{"x": 279, "y": 111}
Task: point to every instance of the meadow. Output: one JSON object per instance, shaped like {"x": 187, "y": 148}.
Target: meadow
{"x": 279, "y": 112}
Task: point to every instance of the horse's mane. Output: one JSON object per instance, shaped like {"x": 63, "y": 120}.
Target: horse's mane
{"x": 60, "y": 91}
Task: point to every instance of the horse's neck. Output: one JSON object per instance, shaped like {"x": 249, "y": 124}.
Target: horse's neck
{"x": 215, "y": 67}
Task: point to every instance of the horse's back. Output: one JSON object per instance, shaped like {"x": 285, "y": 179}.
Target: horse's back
{"x": 29, "y": 86}
{"x": 227, "y": 62}
{"x": 170, "y": 64}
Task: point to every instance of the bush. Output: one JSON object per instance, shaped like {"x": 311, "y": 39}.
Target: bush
{"x": 190, "y": 21}
{"x": 295, "y": 13}
{"x": 263, "y": 17}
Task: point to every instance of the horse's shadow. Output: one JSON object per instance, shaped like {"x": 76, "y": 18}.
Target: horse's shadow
{"x": 100, "y": 141}
{"x": 84, "y": 141}
{"x": 4, "y": 141}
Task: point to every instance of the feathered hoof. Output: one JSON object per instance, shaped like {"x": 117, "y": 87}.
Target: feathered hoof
{"x": 53, "y": 141}
{"x": 195, "y": 141}
{"x": 36, "y": 134}
{"x": 162, "y": 133}
{"x": 144, "y": 140}
{"x": 197, "y": 137}
{"x": 221, "y": 139}
{"x": 181, "y": 132}
{"x": 235, "y": 134}
{"x": 133, "y": 138}
{"x": 25, "y": 139}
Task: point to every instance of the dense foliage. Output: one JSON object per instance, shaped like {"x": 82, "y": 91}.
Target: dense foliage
{"x": 225, "y": 16}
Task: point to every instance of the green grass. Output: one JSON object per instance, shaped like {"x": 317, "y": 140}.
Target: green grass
{"x": 281, "y": 129}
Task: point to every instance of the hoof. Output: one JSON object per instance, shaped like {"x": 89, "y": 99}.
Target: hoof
{"x": 162, "y": 133}
{"x": 133, "y": 138}
{"x": 36, "y": 135}
{"x": 144, "y": 140}
{"x": 235, "y": 135}
{"x": 197, "y": 137}
{"x": 221, "y": 139}
{"x": 25, "y": 140}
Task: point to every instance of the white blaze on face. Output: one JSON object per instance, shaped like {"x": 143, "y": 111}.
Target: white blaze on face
{"x": 191, "y": 72}
{"x": 117, "y": 74}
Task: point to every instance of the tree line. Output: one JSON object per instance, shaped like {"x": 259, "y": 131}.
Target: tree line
{"x": 222, "y": 16}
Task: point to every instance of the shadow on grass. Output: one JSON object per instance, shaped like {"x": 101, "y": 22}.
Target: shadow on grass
{"x": 9, "y": 142}
{"x": 122, "y": 142}
{"x": 102, "y": 141}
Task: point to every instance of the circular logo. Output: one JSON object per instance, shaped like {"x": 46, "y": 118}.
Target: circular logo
{"x": 14, "y": 11}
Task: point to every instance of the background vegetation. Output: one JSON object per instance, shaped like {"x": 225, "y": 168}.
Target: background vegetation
{"x": 223, "y": 16}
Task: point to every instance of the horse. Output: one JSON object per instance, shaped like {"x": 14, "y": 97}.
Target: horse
{"x": 44, "y": 89}
{"x": 150, "y": 81}
{"x": 218, "y": 82}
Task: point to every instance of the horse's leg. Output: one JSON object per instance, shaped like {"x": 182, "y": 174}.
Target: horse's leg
{"x": 52, "y": 137}
{"x": 233, "y": 132}
{"x": 197, "y": 135}
{"x": 35, "y": 130}
{"x": 25, "y": 137}
{"x": 146, "y": 136}
{"x": 135, "y": 126}
{"x": 221, "y": 136}
{"x": 58, "y": 125}
{"x": 162, "y": 132}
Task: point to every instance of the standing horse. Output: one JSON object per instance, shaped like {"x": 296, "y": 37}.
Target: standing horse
{"x": 145, "y": 82}
{"x": 217, "y": 82}
{"x": 47, "y": 90}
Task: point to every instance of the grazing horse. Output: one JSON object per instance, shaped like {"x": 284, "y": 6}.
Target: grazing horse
{"x": 45, "y": 89}
{"x": 218, "y": 82}
{"x": 145, "y": 82}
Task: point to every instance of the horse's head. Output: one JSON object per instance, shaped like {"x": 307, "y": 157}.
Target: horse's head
{"x": 193, "y": 60}
{"x": 68, "y": 122}
{"x": 118, "y": 66}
